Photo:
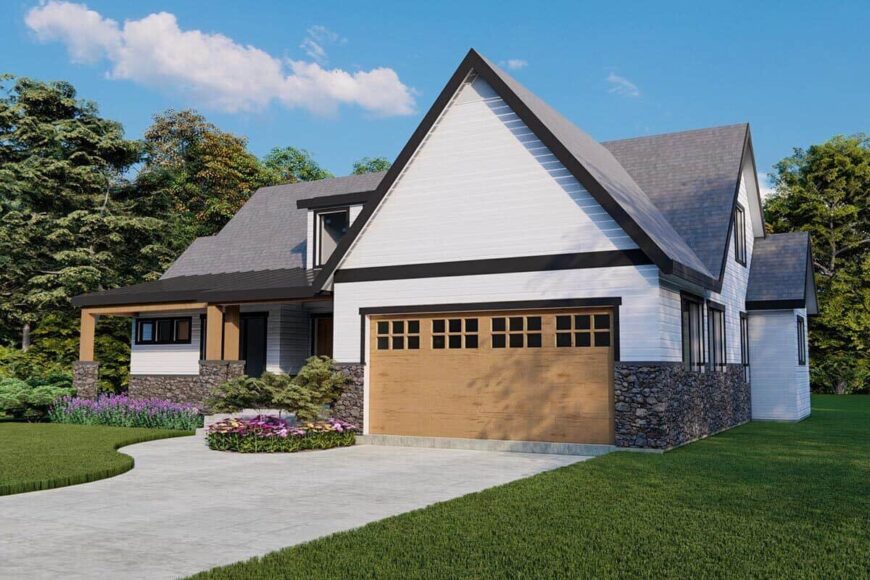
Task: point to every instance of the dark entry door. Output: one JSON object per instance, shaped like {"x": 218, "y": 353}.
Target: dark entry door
{"x": 252, "y": 343}
{"x": 323, "y": 336}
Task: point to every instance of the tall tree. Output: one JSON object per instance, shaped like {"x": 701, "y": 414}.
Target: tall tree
{"x": 290, "y": 165}
{"x": 825, "y": 190}
{"x": 371, "y": 165}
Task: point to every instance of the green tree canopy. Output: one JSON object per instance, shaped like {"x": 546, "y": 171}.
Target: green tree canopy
{"x": 290, "y": 165}
{"x": 825, "y": 190}
{"x": 371, "y": 165}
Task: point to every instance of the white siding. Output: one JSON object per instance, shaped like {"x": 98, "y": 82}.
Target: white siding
{"x": 483, "y": 186}
{"x": 294, "y": 338}
{"x": 671, "y": 330}
{"x": 780, "y": 387}
{"x": 734, "y": 283}
{"x": 637, "y": 286}
{"x": 802, "y": 372}
{"x": 166, "y": 359}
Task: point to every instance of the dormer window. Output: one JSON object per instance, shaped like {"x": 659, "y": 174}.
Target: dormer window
{"x": 330, "y": 225}
{"x": 740, "y": 235}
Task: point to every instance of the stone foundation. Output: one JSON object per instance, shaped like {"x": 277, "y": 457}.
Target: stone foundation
{"x": 186, "y": 388}
{"x": 349, "y": 407}
{"x": 86, "y": 378}
{"x": 662, "y": 405}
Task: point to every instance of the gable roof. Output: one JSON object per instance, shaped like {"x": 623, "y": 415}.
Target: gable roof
{"x": 781, "y": 273}
{"x": 591, "y": 163}
{"x": 268, "y": 232}
{"x": 693, "y": 178}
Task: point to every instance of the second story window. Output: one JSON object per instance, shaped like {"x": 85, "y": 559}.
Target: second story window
{"x": 329, "y": 227}
{"x": 740, "y": 235}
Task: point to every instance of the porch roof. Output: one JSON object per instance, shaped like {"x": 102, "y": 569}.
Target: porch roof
{"x": 253, "y": 286}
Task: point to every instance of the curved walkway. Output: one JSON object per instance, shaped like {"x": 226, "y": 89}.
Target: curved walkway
{"x": 184, "y": 508}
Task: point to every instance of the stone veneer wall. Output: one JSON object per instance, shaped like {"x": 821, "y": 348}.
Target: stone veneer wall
{"x": 86, "y": 378}
{"x": 349, "y": 407}
{"x": 186, "y": 388}
{"x": 662, "y": 405}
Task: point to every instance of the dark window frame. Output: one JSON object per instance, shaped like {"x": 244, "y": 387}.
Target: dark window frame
{"x": 740, "y": 234}
{"x": 744, "y": 345}
{"x": 714, "y": 357}
{"x": 173, "y": 320}
{"x": 802, "y": 340}
{"x": 315, "y": 258}
{"x": 696, "y": 359}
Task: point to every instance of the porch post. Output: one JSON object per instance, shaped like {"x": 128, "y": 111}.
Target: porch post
{"x": 86, "y": 335}
{"x": 231, "y": 332}
{"x": 214, "y": 332}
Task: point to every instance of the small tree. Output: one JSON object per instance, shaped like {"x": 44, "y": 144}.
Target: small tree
{"x": 317, "y": 384}
{"x": 240, "y": 393}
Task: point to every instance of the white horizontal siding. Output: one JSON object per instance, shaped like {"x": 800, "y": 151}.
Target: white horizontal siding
{"x": 294, "y": 338}
{"x": 671, "y": 329}
{"x": 166, "y": 359}
{"x": 483, "y": 186}
{"x": 802, "y": 372}
{"x": 637, "y": 286}
{"x": 780, "y": 387}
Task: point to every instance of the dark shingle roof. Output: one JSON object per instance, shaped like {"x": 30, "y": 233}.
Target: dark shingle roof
{"x": 231, "y": 286}
{"x": 780, "y": 274}
{"x": 612, "y": 176}
{"x": 268, "y": 233}
{"x": 692, "y": 178}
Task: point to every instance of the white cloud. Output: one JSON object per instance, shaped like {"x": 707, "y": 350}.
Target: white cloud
{"x": 622, "y": 86}
{"x": 317, "y": 39}
{"x": 515, "y": 63}
{"x": 213, "y": 69}
{"x": 764, "y": 181}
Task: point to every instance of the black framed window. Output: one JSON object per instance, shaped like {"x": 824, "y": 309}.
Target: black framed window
{"x": 693, "y": 332}
{"x": 329, "y": 227}
{"x": 453, "y": 333}
{"x": 176, "y": 330}
{"x": 716, "y": 325}
{"x": 744, "y": 345}
{"x": 516, "y": 332}
{"x": 740, "y": 234}
{"x": 582, "y": 330}
{"x": 202, "y": 335}
{"x": 802, "y": 340}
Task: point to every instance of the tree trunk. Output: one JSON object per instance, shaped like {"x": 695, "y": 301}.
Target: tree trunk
{"x": 25, "y": 337}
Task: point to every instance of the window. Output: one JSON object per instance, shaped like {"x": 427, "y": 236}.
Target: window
{"x": 398, "y": 334}
{"x": 329, "y": 227}
{"x": 693, "y": 332}
{"x": 582, "y": 330}
{"x": 516, "y": 332}
{"x": 716, "y": 324}
{"x": 163, "y": 330}
{"x": 802, "y": 340}
{"x": 455, "y": 333}
{"x": 744, "y": 345}
{"x": 740, "y": 234}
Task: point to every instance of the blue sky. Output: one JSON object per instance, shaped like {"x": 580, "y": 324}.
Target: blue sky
{"x": 345, "y": 82}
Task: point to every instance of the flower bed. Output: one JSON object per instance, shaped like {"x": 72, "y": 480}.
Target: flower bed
{"x": 123, "y": 411}
{"x": 270, "y": 434}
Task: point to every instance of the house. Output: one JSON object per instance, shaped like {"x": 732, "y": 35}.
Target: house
{"x": 509, "y": 279}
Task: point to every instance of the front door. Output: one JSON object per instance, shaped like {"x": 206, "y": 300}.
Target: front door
{"x": 323, "y": 336}
{"x": 252, "y": 343}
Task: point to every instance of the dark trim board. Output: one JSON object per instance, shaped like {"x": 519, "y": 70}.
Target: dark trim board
{"x": 342, "y": 199}
{"x": 608, "y": 259}
{"x": 775, "y": 304}
{"x": 612, "y": 302}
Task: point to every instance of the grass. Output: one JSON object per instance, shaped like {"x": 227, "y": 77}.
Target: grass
{"x": 36, "y": 456}
{"x": 761, "y": 500}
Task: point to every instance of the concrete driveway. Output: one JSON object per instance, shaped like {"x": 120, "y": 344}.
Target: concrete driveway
{"x": 184, "y": 508}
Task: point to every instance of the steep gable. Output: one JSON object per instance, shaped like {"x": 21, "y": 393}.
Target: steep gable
{"x": 483, "y": 186}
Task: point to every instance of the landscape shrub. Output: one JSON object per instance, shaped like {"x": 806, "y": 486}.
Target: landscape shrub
{"x": 271, "y": 434}
{"x": 305, "y": 395}
{"x": 31, "y": 399}
{"x": 122, "y": 411}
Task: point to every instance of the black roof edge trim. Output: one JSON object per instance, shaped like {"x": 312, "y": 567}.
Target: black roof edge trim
{"x": 755, "y": 177}
{"x": 716, "y": 305}
{"x": 747, "y": 149}
{"x": 775, "y": 304}
{"x": 492, "y": 306}
{"x": 473, "y": 61}
{"x": 811, "y": 272}
{"x": 340, "y": 199}
{"x": 544, "y": 263}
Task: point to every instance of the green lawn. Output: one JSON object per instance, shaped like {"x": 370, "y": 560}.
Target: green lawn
{"x": 762, "y": 500}
{"x": 43, "y": 455}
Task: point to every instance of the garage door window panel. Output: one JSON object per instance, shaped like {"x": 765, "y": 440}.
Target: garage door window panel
{"x": 454, "y": 333}
{"x": 398, "y": 335}
{"x": 583, "y": 330}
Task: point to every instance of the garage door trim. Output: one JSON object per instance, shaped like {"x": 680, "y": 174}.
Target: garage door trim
{"x": 614, "y": 302}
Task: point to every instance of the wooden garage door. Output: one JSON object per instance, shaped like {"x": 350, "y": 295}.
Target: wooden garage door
{"x": 516, "y": 375}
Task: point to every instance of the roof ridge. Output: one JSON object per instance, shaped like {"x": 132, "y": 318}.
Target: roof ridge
{"x": 674, "y": 133}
